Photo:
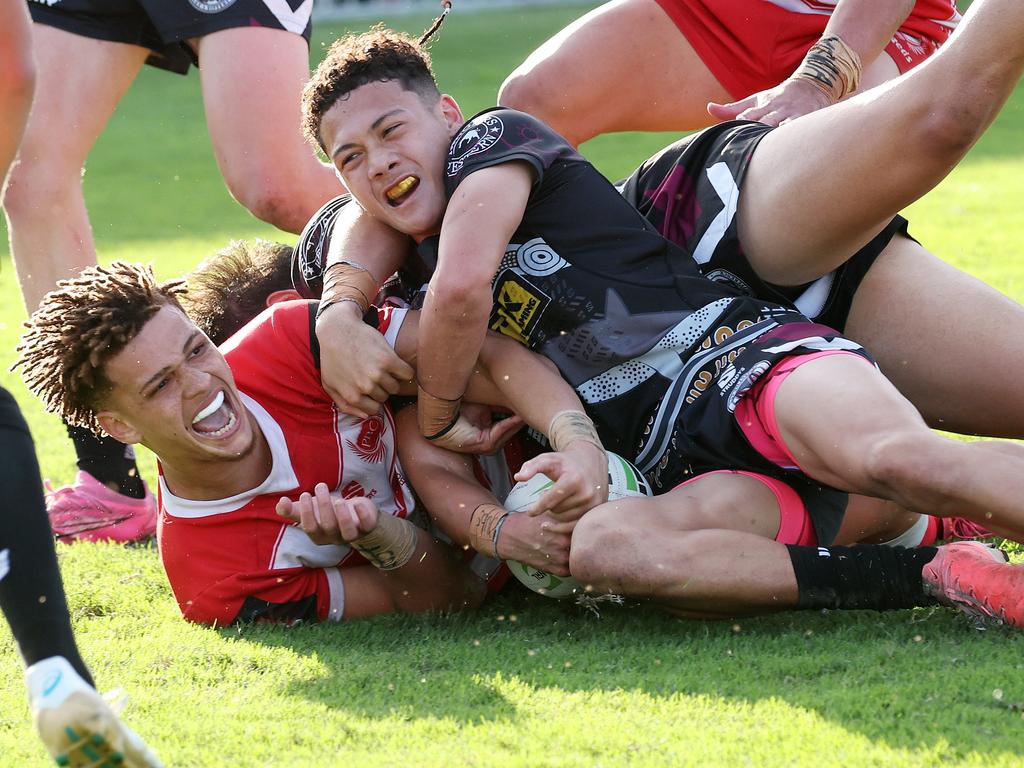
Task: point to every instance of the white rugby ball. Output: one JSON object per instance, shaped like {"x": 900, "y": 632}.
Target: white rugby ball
{"x": 624, "y": 481}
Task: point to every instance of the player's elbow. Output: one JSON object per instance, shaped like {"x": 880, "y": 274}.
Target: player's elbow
{"x": 461, "y": 297}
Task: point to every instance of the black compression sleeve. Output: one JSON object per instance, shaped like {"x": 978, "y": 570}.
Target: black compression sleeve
{"x": 860, "y": 577}
{"x": 31, "y": 592}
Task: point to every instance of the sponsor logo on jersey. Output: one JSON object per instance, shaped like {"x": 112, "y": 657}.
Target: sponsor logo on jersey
{"x": 475, "y": 137}
{"x": 369, "y": 445}
{"x": 518, "y": 306}
{"x": 211, "y": 6}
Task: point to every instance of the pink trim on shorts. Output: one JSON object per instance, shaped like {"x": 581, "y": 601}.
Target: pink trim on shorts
{"x": 795, "y": 526}
{"x": 755, "y": 412}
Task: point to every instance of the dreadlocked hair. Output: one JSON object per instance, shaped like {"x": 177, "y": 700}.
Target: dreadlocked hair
{"x": 79, "y": 326}
{"x": 231, "y": 287}
{"x": 352, "y": 61}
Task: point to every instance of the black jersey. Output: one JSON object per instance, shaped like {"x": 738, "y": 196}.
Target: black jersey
{"x": 658, "y": 353}
{"x": 690, "y": 191}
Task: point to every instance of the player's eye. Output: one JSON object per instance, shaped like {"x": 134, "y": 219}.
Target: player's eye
{"x": 391, "y": 129}
{"x": 348, "y": 159}
{"x": 160, "y": 385}
{"x": 198, "y": 349}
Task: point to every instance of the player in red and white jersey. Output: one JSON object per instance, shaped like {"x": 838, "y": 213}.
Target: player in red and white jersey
{"x": 125, "y": 358}
{"x": 282, "y": 573}
{"x": 666, "y": 60}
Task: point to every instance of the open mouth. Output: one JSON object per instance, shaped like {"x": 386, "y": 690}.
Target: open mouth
{"x": 399, "y": 192}
{"x": 216, "y": 419}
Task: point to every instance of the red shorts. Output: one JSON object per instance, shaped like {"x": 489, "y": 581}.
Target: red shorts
{"x": 795, "y": 526}
{"x": 751, "y": 45}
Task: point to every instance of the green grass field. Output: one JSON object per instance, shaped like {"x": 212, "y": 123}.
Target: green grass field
{"x": 525, "y": 681}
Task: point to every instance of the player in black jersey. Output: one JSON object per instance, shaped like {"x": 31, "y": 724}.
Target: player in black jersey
{"x": 682, "y": 374}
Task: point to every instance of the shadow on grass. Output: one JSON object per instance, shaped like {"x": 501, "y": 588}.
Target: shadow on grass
{"x": 908, "y": 678}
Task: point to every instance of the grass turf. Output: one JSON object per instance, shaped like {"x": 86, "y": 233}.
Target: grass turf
{"x": 526, "y": 681}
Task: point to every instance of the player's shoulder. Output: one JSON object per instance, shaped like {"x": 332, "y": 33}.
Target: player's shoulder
{"x": 500, "y": 132}
{"x": 282, "y": 320}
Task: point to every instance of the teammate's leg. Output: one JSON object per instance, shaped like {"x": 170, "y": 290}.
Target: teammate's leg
{"x": 802, "y": 208}
{"x": 846, "y": 426}
{"x": 79, "y": 83}
{"x": 949, "y": 342}
{"x": 252, "y": 78}
{"x": 622, "y": 67}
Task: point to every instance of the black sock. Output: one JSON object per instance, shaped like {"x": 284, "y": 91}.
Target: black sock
{"x": 863, "y": 576}
{"x": 31, "y": 593}
{"x": 108, "y": 460}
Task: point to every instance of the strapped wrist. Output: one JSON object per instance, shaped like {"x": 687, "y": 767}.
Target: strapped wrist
{"x": 436, "y": 415}
{"x": 349, "y": 281}
{"x": 484, "y": 526}
{"x": 569, "y": 427}
{"x": 390, "y": 544}
{"x": 832, "y": 67}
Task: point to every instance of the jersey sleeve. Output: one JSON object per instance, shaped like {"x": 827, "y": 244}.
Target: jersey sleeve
{"x": 499, "y": 136}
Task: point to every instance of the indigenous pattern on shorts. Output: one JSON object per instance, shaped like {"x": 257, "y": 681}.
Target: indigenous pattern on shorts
{"x": 659, "y": 354}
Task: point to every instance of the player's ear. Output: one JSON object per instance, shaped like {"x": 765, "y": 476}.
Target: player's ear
{"x": 287, "y": 294}
{"x": 451, "y": 113}
{"x": 118, "y": 428}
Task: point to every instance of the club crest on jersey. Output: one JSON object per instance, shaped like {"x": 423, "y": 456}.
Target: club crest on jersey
{"x": 475, "y": 137}
{"x": 211, "y": 6}
{"x": 369, "y": 445}
{"x": 518, "y": 306}
{"x": 353, "y": 490}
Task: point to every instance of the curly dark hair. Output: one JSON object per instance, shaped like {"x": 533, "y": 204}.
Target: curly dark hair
{"x": 379, "y": 55}
{"x": 229, "y": 288}
{"x": 79, "y": 326}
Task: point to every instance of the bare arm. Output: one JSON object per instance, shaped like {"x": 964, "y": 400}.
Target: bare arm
{"x": 510, "y": 375}
{"x": 17, "y": 80}
{"x": 450, "y": 491}
{"x": 866, "y": 26}
{"x": 358, "y": 368}
{"x": 480, "y": 220}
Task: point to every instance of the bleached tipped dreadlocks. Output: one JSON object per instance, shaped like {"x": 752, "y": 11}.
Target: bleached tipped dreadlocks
{"x": 79, "y": 326}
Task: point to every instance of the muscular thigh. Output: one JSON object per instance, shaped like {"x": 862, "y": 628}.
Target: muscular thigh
{"x": 80, "y": 81}
{"x": 720, "y": 500}
{"x": 951, "y": 344}
{"x": 623, "y": 66}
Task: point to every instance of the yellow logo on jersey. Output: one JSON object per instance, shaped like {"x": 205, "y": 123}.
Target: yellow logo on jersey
{"x": 518, "y": 306}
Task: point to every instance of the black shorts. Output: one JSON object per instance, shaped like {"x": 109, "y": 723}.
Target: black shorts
{"x": 690, "y": 191}
{"x": 690, "y": 427}
{"x": 164, "y": 26}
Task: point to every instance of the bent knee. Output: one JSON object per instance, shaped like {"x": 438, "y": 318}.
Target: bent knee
{"x": 39, "y": 186}
{"x": 274, "y": 202}
{"x": 903, "y": 462}
{"x": 599, "y": 541}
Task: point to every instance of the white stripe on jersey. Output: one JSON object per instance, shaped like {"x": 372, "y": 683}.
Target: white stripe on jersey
{"x": 296, "y": 550}
{"x": 294, "y": 21}
{"x": 5, "y": 562}
{"x": 337, "y": 589}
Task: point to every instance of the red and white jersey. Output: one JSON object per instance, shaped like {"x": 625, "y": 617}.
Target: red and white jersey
{"x": 235, "y": 558}
{"x": 943, "y": 12}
